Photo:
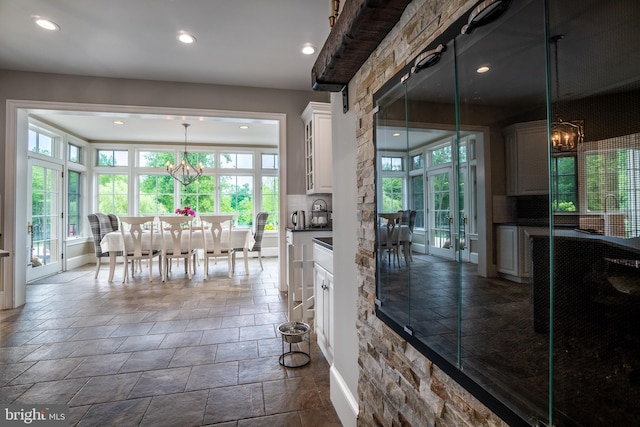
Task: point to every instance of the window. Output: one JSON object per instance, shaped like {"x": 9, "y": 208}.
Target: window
{"x": 113, "y": 194}
{"x": 269, "y": 161}
{"x": 441, "y": 156}
{"x": 154, "y": 159}
{"x": 236, "y": 160}
{"x": 113, "y": 158}
{"x": 417, "y": 199}
{"x": 611, "y": 183}
{"x": 74, "y": 204}
{"x": 391, "y": 194}
{"x": 156, "y": 194}
{"x": 564, "y": 184}
{"x": 392, "y": 164}
{"x": 236, "y": 197}
{"x": 199, "y": 195}
{"x": 41, "y": 143}
{"x": 417, "y": 162}
{"x": 73, "y": 154}
{"x": 270, "y": 201}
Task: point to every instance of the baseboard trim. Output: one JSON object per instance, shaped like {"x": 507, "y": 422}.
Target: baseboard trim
{"x": 345, "y": 404}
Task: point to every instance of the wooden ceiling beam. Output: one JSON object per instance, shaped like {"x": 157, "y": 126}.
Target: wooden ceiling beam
{"x": 360, "y": 28}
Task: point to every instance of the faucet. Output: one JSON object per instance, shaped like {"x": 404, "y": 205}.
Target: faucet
{"x": 606, "y": 199}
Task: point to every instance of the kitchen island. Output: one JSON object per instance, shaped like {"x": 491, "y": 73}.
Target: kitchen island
{"x": 587, "y": 269}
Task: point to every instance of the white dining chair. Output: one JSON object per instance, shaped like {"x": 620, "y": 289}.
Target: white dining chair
{"x": 219, "y": 228}
{"x": 137, "y": 243}
{"x": 177, "y": 235}
{"x": 389, "y": 238}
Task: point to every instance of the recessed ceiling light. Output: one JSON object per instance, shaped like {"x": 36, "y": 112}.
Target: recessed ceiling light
{"x": 395, "y": 134}
{"x": 118, "y": 122}
{"x": 482, "y": 69}
{"x": 45, "y": 23}
{"x": 308, "y": 49}
{"x": 186, "y": 38}
{"x": 244, "y": 127}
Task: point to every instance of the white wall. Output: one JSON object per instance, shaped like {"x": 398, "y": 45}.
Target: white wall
{"x": 344, "y": 372}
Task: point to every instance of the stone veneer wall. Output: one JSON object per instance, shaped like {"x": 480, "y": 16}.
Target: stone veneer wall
{"x": 397, "y": 385}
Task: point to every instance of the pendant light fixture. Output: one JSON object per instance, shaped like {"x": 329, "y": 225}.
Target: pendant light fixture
{"x": 565, "y": 135}
{"x": 185, "y": 173}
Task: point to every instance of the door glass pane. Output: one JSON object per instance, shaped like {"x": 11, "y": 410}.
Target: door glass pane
{"x": 499, "y": 347}
{"x": 392, "y": 145}
{"x": 45, "y": 197}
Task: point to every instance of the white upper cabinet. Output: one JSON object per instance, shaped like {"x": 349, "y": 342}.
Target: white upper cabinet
{"x": 317, "y": 148}
{"x": 526, "y": 155}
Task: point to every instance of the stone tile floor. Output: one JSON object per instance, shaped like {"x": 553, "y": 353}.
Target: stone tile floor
{"x": 182, "y": 353}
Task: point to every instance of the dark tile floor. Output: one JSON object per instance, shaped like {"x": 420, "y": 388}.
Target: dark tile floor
{"x": 596, "y": 363}
{"x": 181, "y": 353}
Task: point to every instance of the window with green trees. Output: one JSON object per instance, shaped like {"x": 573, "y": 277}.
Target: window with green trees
{"x": 564, "y": 182}
{"x": 74, "y": 204}
{"x": 200, "y": 195}
{"x": 236, "y": 197}
{"x": 156, "y": 194}
{"x": 270, "y": 201}
{"x": 113, "y": 194}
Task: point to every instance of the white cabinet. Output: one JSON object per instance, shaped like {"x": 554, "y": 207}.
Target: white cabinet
{"x": 317, "y": 148}
{"x": 507, "y": 241}
{"x": 298, "y": 239}
{"x": 514, "y": 251}
{"x": 526, "y": 158}
{"x": 323, "y": 300}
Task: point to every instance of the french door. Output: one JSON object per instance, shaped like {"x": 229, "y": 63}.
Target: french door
{"x": 44, "y": 216}
{"x": 448, "y": 213}
{"x": 441, "y": 213}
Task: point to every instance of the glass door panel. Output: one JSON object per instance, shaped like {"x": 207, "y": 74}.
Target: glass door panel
{"x": 45, "y": 223}
{"x": 434, "y": 285}
{"x": 501, "y": 74}
{"x": 392, "y": 271}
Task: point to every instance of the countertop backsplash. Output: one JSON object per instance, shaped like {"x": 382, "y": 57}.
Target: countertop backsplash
{"x": 304, "y": 202}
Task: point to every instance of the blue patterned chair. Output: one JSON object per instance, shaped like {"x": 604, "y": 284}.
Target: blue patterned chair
{"x": 101, "y": 224}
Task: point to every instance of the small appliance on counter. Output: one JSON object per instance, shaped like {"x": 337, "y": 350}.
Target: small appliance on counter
{"x": 298, "y": 220}
{"x": 320, "y": 216}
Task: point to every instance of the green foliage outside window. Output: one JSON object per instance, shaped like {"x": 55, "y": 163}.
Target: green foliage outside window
{"x": 391, "y": 194}
{"x": 156, "y": 195}
{"x": 564, "y": 184}
{"x": 236, "y": 197}
{"x": 113, "y": 194}
{"x": 199, "y": 195}
{"x": 270, "y": 201}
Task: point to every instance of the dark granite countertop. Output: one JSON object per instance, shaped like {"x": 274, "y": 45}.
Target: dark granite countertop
{"x": 630, "y": 244}
{"x": 327, "y": 242}
{"x": 294, "y": 230}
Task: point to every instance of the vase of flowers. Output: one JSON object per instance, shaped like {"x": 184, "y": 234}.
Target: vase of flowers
{"x": 186, "y": 211}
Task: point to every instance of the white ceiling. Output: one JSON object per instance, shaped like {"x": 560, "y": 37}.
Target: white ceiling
{"x": 255, "y": 43}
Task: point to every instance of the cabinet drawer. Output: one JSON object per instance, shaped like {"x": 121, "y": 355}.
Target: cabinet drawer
{"x": 323, "y": 257}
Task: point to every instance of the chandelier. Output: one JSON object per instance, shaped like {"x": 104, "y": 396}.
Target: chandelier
{"x": 185, "y": 173}
{"x": 565, "y": 135}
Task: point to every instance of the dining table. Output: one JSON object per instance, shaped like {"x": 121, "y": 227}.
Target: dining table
{"x": 240, "y": 238}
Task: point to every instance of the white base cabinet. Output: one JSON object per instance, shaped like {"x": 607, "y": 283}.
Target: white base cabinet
{"x": 514, "y": 251}
{"x": 323, "y": 299}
